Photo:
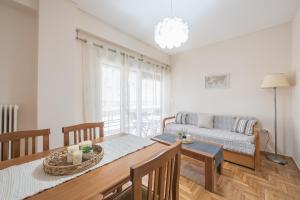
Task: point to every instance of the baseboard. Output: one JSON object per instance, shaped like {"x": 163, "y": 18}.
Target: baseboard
{"x": 284, "y": 156}
{"x": 268, "y": 152}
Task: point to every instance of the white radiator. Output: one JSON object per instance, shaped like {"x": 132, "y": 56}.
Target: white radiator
{"x": 8, "y": 118}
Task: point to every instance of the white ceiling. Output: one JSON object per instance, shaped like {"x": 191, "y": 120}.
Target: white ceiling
{"x": 209, "y": 21}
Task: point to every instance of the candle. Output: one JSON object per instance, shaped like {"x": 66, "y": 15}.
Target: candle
{"x": 77, "y": 157}
{"x": 70, "y": 151}
{"x": 188, "y": 137}
{"x": 85, "y": 143}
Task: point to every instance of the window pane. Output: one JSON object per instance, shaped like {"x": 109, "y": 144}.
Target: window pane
{"x": 132, "y": 110}
{"x": 151, "y": 105}
{"x": 111, "y": 99}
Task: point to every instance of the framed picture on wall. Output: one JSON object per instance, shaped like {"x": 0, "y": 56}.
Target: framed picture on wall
{"x": 220, "y": 81}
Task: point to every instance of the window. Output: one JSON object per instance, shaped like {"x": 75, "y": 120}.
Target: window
{"x": 138, "y": 117}
{"x": 128, "y": 94}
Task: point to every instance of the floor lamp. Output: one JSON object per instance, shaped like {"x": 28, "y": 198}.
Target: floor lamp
{"x": 274, "y": 81}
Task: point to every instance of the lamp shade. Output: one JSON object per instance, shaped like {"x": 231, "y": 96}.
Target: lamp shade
{"x": 275, "y": 80}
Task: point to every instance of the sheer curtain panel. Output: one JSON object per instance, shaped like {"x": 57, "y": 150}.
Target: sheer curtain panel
{"x": 129, "y": 93}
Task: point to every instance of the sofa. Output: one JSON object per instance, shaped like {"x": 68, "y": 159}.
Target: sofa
{"x": 238, "y": 148}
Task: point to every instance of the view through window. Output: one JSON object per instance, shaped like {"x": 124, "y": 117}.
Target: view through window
{"x": 138, "y": 112}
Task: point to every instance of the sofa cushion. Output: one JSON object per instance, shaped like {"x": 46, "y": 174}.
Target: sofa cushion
{"x": 192, "y": 118}
{"x": 181, "y": 118}
{"x": 224, "y": 122}
{"x": 205, "y": 120}
{"x": 231, "y": 141}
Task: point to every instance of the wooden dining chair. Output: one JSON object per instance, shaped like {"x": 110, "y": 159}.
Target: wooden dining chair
{"x": 163, "y": 177}
{"x": 13, "y": 139}
{"x": 82, "y": 132}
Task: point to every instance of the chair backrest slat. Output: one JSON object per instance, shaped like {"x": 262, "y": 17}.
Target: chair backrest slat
{"x": 94, "y": 132}
{"x": 66, "y": 139}
{"x": 172, "y": 171}
{"x": 16, "y": 148}
{"x": 26, "y": 146}
{"x": 75, "y": 137}
{"x": 162, "y": 181}
{"x": 15, "y": 138}
{"x": 167, "y": 194}
{"x": 85, "y": 134}
{"x": 150, "y": 185}
{"x": 79, "y": 136}
{"x": 45, "y": 142}
{"x": 33, "y": 144}
{"x": 5, "y": 151}
{"x": 86, "y": 129}
{"x": 155, "y": 192}
{"x": 163, "y": 175}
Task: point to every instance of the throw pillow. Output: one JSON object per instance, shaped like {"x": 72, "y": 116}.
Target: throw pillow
{"x": 184, "y": 118}
{"x": 243, "y": 126}
{"x": 205, "y": 120}
{"x": 178, "y": 118}
{"x": 249, "y": 127}
{"x": 181, "y": 118}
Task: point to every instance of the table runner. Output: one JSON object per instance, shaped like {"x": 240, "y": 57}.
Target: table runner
{"x": 215, "y": 150}
{"x": 21, "y": 181}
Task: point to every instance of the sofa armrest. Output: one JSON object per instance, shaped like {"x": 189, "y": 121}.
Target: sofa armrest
{"x": 257, "y": 147}
{"x": 166, "y": 121}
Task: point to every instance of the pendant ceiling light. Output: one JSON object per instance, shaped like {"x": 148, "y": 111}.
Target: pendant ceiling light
{"x": 171, "y": 31}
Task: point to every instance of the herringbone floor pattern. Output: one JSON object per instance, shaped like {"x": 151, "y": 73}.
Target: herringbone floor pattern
{"x": 273, "y": 182}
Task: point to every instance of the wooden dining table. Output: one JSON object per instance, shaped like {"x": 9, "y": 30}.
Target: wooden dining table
{"x": 102, "y": 180}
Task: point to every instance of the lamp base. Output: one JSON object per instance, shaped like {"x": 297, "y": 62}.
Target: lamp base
{"x": 276, "y": 159}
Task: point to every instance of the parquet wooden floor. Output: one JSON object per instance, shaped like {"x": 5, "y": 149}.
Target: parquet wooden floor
{"x": 273, "y": 182}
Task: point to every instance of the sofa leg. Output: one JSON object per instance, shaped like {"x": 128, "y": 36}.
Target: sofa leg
{"x": 257, "y": 161}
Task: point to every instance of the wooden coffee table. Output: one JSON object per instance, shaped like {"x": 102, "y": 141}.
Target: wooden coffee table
{"x": 209, "y": 153}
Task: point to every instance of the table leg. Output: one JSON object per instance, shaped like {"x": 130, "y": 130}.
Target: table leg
{"x": 220, "y": 168}
{"x": 209, "y": 174}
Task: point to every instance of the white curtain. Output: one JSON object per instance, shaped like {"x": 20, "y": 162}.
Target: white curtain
{"x": 129, "y": 94}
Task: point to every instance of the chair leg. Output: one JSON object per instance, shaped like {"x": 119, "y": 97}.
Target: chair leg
{"x": 119, "y": 189}
{"x": 114, "y": 193}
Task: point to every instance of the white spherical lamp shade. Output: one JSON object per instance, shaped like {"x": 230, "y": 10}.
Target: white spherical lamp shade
{"x": 275, "y": 80}
{"x": 171, "y": 32}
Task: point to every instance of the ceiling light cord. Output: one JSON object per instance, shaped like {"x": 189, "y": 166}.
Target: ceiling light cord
{"x": 172, "y": 11}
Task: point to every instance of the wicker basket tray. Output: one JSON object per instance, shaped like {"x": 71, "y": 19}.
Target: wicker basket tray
{"x": 56, "y": 163}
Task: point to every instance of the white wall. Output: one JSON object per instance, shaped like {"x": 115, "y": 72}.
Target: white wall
{"x": 247, "y": 59}
{"x": 296, "y": 89}
{"x": 18, "y": 61}
{"x": 31, "y": 4}
{"x": 94, "y": 26}
{"x": 56, "y": 61}
{"x": 59, "y": 96}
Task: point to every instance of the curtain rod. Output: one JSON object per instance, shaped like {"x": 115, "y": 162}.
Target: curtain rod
{"x": 95, "y": 44}
{"x": 101, "y": 46}
{"x": 82, "y": 40}
{"x": 118, "y": 46}
{"x": 122, "y": 53}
